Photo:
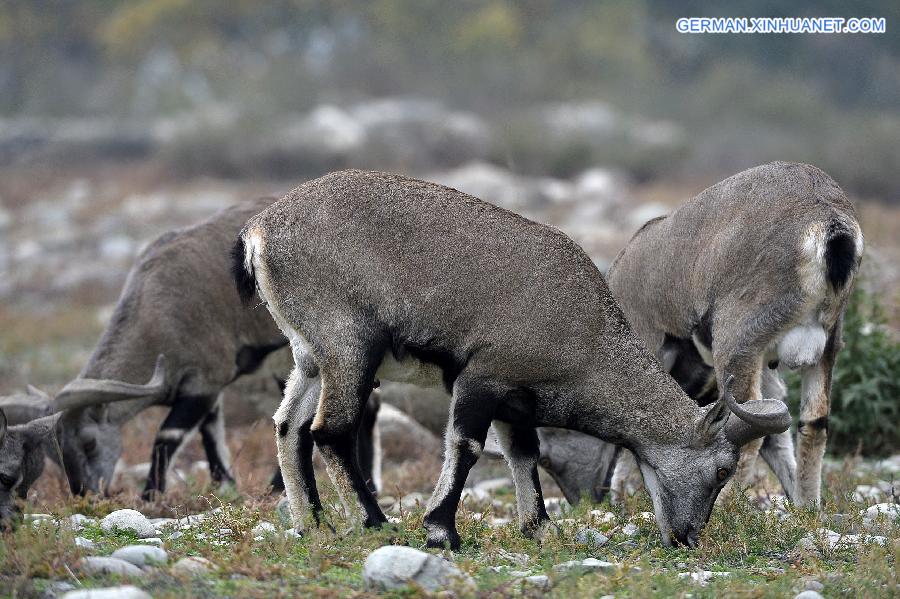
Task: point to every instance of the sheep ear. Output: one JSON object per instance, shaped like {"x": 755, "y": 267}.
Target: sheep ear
{"x": 712, "y": 421}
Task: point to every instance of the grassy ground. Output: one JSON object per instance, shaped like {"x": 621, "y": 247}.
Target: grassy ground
{"x": 760, "y": 549}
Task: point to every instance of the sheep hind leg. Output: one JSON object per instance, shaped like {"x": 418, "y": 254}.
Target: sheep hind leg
{"x": 522, "y": 450}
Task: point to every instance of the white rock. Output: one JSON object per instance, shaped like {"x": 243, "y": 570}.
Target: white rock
{"x": 85, "y": 543}
{"x": 263, "y": 529}
{"x": 494, "y": 484}
{"x": 539, "y": 581}
{"x": 591, "y": 537}
{"x": 702, "y": 577}
{"x": 808, "y": 595}
{"x": 36, "y": 516}
{"x": 394, "y": 567}
{"x": 602, "y": 517}
{"x": 888, "y": 510}
{"x": 865, "y": 493}
{"x": 192, "y": 566}
{"x": 108, "y": 565}
{"x": 78, "y": 521}
{"x": 630, "y": 529}
{"x": 556, "y": 505}
{"x": 128, "y": 520}
{"x": 142, "y": 555}
{"x": 589, "y": 564}
{"x": 121, "y": 592}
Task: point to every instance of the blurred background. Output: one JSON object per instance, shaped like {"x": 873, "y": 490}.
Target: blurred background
{"x": 121, "y": 119}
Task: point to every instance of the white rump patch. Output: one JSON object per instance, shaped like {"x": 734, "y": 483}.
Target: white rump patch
{"x": 802, "y": 345}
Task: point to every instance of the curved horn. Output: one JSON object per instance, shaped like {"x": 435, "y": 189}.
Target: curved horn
{"x": 756, "y": 418}
{"x": 82, "y": 393}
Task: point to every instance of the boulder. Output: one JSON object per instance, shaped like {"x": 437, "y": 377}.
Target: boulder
{"x": 128, "y": 521}
{"x": 108, "y": 565}
{"x": 120, "y": 592}
{"x": 142, "y": 555}
{"x": 192, "y": 566}
{"x": 395, "y": 567}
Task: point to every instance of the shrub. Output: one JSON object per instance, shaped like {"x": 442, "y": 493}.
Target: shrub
{"x": 865, "y": 390}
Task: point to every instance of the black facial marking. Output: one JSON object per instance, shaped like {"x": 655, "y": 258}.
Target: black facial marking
{"x": 283, "y": 429}
{"x": 773, "y": 365}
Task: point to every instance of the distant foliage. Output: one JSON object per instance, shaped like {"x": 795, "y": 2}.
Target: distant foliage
{"x": 865, "y": 397}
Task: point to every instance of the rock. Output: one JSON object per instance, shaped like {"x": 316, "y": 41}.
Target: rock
{"x": 85, "y": 543}
{"x": 702, "y": 577}
{"x": 539, "y": 581}
{"x": 891, "y": 464}
{"x": 630, "y": 529}
{"x": 192, "y": 566}
{"x": 589, "y": 564}
{"x": 556, "y": 506}
{"x": 864, "y": 493}
{"x": 519, "y": 559}
{"x": 263, "y": 529}
{"x": 35, "y": 517}
{"x": 121, "y": 592}
{"x": 494, "y": 484}
{"x": 130, "y": 521}
{"x": 108, "y": 565}
{"x": 283, "y": 509}
{"x": 602, "y": 517}
{"x": 142, "y": 555}
{"x": 56, "y": 588}
{"x": 395, "y": 567}
{"x": 890, "y": 511}
{"x": 808, "y": 595}
{"x": 151, "y": 541}
{"x": 813, "y": 585}
{"x": 833, "y": 540}
{"x": 591, "y": 537}
{"x": 78, "y": 521}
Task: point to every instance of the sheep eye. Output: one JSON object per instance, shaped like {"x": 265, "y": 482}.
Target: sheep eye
{"x": 722, "y": 474}
{"x": 90, "y": 446}
{"x": 7, "y": 481}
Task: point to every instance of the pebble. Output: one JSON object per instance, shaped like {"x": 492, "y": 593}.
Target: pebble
{"x": 393, "y": 567}
{"x": 538, "y": 581}
{"x": 813, "y": 585}
{"x": 120, "y": 592}
{"x": 630, "y": 529}
{"x": 589, "y": 564}
{"x": 601, "y": 517}
{"x": 808, "y": 595}
{"x": 591, "y": 538}
{"x": 108, "y": 565}
{"x": 85, "y": 543}
{"x": 702, "y": 577}
{"x": 262, "y": 530}
{"x": 192, "y": 566}
{"x": 128, "y": 520}
{"x": 142, "y": 555}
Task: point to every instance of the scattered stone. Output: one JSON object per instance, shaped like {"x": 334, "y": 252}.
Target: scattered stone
{"x": 108, "y": 565}
{"x": 702, "y": 577}
{"x": 601, "y": 517}
{"x": 589, "y": 564}
{"x": 128, "y": 520}
{"x": 864, "y": 493}
{"x": 36, "y": 516}
{"x": 192, "y": 566}
{"x": 630, "y": 529}
{"x": 283, "y": 509}
{"x": 556, "y": 506}
{"x": 888, "y": 510}
{"x": 539, "y": 581}
{"x": 262, "y": 530}
{"x": 591, "y": 538}
{"x": 85, "y": 543}
{"x": 78, "y": 521}
{"x": 494, "y": 484}
{"x": 813, "y": 585}
{"x": 519, "y": 559}
{"x": 121, "y": 592}
{"x": 473, "y": 495}
{"x": 161, "y": 523}
{"x": 386, "y": 501}
{"x": 142, "y": 555}
{"x": 498, "y": 522}
{"x": 808, "y": 595}
{"x": 833, "y": 540}
{"x": 394, "y": 567}
{"x": 151, "y": 541}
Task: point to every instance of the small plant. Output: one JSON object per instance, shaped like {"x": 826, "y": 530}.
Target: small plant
{"x": 865, "y": 388}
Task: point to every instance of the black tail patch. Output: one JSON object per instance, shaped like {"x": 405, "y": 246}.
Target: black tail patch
{"x": 244, "y": 280}
{"x": 840, "y": 258}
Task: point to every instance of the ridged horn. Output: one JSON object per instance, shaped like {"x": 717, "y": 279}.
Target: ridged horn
{"x": 83, "y": 392}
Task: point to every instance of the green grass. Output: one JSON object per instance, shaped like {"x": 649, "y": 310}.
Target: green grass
{"x": 759, "y": 548}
